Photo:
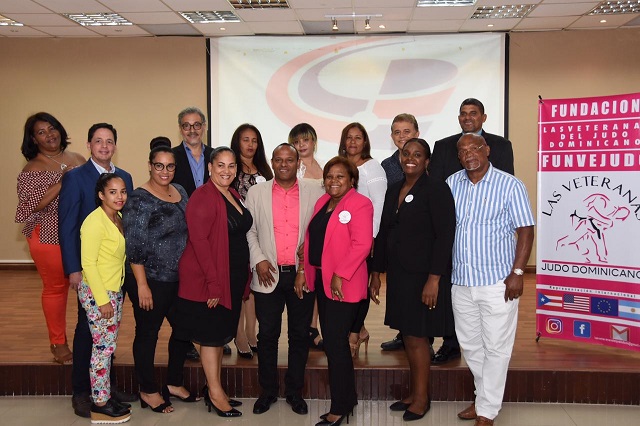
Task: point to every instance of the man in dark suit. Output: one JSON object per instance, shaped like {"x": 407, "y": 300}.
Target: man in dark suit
{"x": 445, "y": 162}
{"x": 192, "y": 155}
{"x": 77, "y": 200}
{"x": 192, "y": 160}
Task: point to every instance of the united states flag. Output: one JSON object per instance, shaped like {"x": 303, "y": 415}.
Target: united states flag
{"x": 575, "y": 303}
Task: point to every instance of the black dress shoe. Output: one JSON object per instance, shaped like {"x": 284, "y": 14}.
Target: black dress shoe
{"x": 263, "y": 404}
{"x": 124, "y": 397}
{"x": 109, "y": 413}
{"x": 298, "y": 405}
{"x": 445, "y": 354}
{"x": 193, "y": 354}
{"x": 399, "y": 406}
{"x": 410, "y": 416}
{"x": 81, "y": 405}
{"x": 226, "y": 350}
{"x": 393, "y": 345}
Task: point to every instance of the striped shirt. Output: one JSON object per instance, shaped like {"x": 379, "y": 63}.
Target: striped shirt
{"x": 487, "y": 215}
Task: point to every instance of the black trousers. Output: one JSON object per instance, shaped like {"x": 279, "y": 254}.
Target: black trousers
{"x": 148, "y": 323}
{"x": 82, "y": 346}
{"x": 363, "y": 306}
{"x": 336, "y": 319}
{"x": 269, "y": 309}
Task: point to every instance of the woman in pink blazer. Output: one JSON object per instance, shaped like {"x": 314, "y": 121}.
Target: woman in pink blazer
{"x": 338, "y": 242}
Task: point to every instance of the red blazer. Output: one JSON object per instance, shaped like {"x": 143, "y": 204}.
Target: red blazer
{"x": 204, "y": 265}
{"x": 346, "y": 246}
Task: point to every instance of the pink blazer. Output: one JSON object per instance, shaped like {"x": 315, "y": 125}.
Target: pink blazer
{"x": 347, "y": 244}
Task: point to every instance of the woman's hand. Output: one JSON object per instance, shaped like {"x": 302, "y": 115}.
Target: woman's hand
{"x": 106, "y": 311}
{"x": 145, "y": 298}
{"x": 336, "y": 287}
{"x": 430, "y": 291}
{"x": 374, "y": 288}
{"x": 212, "y": 303}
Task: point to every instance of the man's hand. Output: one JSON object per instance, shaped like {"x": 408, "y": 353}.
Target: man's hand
{"x": 300, "y": 285}
{"x": 515, "y": 284}
{"x": 75, "y": 278}
{"x": 374, "y": 288}
{"x": 265, "y": 273}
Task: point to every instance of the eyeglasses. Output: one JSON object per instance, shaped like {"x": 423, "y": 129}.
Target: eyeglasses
{"x": 160, "y": 166}
{"x": 196, "y": 126}
{"x": 473, "y": 150}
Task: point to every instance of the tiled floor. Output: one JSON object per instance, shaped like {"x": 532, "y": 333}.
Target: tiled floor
{"x": 56, "y": 411}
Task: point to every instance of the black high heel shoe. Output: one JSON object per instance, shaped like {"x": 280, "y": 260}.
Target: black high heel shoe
{"x": 167, "y": 396}
{"x": 209, "y": 403}
{"x": 232, "y": 402}
{"x": 158, "y": 409}
{"x": 410, "y": 415}
{"x": 241, "y": 354}
{"x": 337, "y": 422}
{"x": 313, "y": 334}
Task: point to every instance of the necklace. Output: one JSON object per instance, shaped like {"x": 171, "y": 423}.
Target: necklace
{"x": 63, "y": 166}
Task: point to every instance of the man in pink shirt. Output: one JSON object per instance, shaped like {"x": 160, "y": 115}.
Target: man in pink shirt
{"x": 281, "y": 210}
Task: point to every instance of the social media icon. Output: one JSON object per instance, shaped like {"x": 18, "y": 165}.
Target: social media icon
{"x": 554, "y": 326}
{"x": 582, "y": 329}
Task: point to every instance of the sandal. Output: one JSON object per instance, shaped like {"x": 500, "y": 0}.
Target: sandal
{"x": 62, "y": 354}
{"x": 313, "y": 334}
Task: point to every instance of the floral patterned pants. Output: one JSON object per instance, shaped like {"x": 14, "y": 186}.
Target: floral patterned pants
{"x": 105, "y": 334}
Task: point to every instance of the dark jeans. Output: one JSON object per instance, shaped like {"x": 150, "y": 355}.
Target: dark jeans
{"x": 269, "y": 308}
{"x": 82, "y": 346}
{"x": 336, "y": 319}
{"x": 148, "y": 323}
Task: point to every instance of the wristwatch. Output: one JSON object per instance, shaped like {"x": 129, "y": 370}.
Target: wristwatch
{"x": 518, "y": 272}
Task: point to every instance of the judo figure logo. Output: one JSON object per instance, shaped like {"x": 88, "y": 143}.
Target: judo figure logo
{"x": 588, "y": 231}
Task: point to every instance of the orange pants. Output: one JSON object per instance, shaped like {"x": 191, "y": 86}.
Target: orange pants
{"x": 55, "y": 289}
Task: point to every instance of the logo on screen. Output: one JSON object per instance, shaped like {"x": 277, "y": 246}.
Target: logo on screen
{"x": 582, "y": 329}
{"x": 554, "y": 326}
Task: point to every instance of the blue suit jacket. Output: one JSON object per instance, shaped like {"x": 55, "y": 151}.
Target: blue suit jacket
{"x": 77, "y": 200}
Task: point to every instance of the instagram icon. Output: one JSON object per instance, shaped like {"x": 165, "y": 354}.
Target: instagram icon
{"x": 554, "y": 326}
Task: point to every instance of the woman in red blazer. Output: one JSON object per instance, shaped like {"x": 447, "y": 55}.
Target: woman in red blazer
{"x": 338, "y": 241}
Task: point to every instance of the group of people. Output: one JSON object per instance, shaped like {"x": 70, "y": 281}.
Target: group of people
{"x": 219, "y": 238}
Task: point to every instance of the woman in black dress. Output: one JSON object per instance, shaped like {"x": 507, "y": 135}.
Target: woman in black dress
{"x": 214, "y": 273}
{"x": 414, "y": 247}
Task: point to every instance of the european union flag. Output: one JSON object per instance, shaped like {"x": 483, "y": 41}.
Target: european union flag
{"x": 604, "y": 306}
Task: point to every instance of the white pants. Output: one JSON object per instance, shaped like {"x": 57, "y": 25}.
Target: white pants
{"x": 486, "y": 329}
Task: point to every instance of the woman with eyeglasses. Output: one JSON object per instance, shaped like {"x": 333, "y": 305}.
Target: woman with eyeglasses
{"x": 252, "y": 166}
{"x": 156, "y": 234}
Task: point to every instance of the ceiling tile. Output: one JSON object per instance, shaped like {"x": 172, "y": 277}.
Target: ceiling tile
{"x": 48, "y": 19}
{"x": 21, "y": 32}
{"x": 384, "y": 3}
{"x": 444, "y": 12}
{"x": 593, "y": 22}
{"x": 266, "y": 15}
{"x": 135, "y": 6}
{"x": 120, "y": 30}
{"x": 198, "y": 5}
{"x": 232, "y": 29}
{"x": 483, "y": 24}
{"x": 20, "y": 6}
{"x": 319, "y": 14}
{"x": 446, "y": 25}
{"x": 153, "y": 17}
{"x": 573, "y": 9}
{"x": 77, "y": 31}
{"x": 74, "y": 6}
{"x": 318, "y": 4}
{"x": 173, "y": 30}
{"x": 388, "y": 13}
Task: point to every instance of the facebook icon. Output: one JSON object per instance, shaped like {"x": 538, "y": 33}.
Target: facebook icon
{"x": 582, "y": 329}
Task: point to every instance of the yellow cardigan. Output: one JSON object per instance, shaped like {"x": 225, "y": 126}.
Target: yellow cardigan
{"x": 102, "y": 249}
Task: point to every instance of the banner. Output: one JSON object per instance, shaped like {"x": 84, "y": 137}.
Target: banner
{"x": 588, "y": 237}
{"x": 329, "y": 82}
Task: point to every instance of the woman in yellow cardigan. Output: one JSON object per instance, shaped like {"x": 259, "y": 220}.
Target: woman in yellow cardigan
{"x": 103, "y": 254}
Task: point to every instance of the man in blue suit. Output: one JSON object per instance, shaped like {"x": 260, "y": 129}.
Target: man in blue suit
{"x": 77, "y": 200}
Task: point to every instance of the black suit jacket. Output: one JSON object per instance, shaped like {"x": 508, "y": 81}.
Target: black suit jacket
{"x": 424, "y": 228}
{"x": 444, "y": 160}
{"x": 183, "y": 175}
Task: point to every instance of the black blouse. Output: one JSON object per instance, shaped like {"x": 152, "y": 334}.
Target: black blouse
{"x": 317, "y": 230}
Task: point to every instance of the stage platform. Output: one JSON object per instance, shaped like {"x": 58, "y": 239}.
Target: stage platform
{"x": 544, "y": 371}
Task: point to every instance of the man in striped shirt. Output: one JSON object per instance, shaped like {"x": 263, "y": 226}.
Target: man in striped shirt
{"x": 492, "y": 207}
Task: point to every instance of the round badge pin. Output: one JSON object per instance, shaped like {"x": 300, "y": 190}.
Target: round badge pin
{"x": 344, "y": 217}
{"x": 408, "y": 198}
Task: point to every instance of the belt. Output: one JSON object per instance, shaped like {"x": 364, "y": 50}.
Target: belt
{"x": 287, "y": 268}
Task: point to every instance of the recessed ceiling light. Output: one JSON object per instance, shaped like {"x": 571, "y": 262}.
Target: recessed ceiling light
{"x": 616, "y": 7}
{"x": 223, "y": 29}
{"x": 9, "y": 22}
{"x": 381, "y": 26}
{"x": 209, "y": 17}
{"x": 97, "y": 19}
{"x": 490, "y": 25}
{"x": 503, "y": 12}
{"x": 259, "y": 4}
{"x": 603, "y": 21}
{"x": 427, "y": 3}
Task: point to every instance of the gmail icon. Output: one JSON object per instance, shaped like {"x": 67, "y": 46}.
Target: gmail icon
{"x": 619, "y": 332}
